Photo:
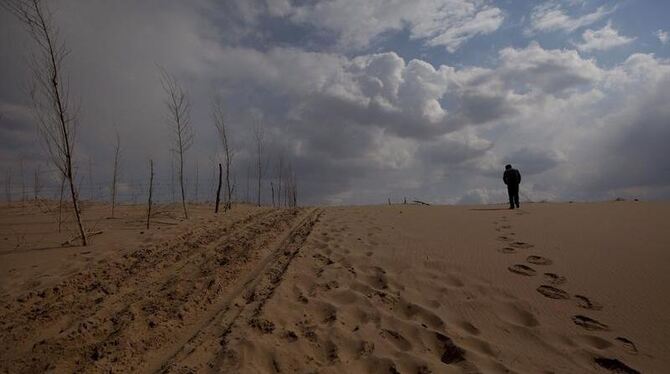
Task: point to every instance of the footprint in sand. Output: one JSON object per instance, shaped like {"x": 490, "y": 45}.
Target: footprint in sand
{"x": 553, "y": 292}
{"x": 628, "y": 345}
{"x": 417, "y": 312}
{"x": 504, "y": 238}
{"x": 521, "y": 245}
{"x": 451, "y": 353}
{"x": 586, "y": 303}
{"x": 507, "y": 250}
{"x": 555, "y": 279}
{"x": 398, "y": 340}
{"x": 539, "y": 260}
{"x": 522, "y": 270}
{"x": 614, "y": 365}
{"x": 589, "y": 323}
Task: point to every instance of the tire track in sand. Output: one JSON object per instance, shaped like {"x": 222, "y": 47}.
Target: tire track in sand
{"x": 206, "y": 348}
{"x": 122, "y": 311}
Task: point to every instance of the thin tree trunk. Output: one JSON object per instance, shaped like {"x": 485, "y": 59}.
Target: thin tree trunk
{"x": 218, "y": 193}
{"x": 281, "y": 166}
{"x": 151, "y": 185}
{"x": 36, "y": 183}
{"x": 272, "y": 188}
{"x": 115, "y": 173}
{"x": 75, "y": 205}
{"x": 258, "y": 190}
{"x": 196, "y": 181}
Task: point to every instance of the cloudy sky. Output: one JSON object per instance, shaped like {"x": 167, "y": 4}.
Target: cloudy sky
{"x": 427, "y": 99}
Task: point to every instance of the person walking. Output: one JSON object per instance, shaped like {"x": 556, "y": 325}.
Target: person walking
{"x": 512, "y": 179}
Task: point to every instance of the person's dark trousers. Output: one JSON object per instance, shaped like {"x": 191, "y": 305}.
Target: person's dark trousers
{"x": 513, "y": 192}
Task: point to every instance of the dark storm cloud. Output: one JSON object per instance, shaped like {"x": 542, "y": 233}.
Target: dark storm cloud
{"x": 635, "y": 154}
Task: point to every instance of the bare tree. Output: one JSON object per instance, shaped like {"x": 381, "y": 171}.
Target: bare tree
{"x": 291, "y": 188}
{"x": 272, "y": 190}
{"x": 228, "y": 153}
{"x": 179, "y": 119}
{"x": 115, "y": 173}
{"x": 259, "y": 135}
{"x": 53, "y": 109}
{"x": 151, "y": 187}
{"x": 280, "y": 170}
{"x": 37, "y": 187}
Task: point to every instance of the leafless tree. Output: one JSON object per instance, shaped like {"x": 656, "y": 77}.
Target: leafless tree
{"x": 291, "y": 188}
{"x": 259, "y": 136}
{"x": 179, "y": 119}
{"x": 280, "y": 170}
{"x": 228, "y": 153}
{"x": 151, "y": 186}
{"x": 53, "y": 109}
{"x": 37, "y": 186}
{"x": 115, "y": 173}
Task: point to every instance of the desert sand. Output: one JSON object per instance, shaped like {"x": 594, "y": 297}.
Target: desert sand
{"x": 548, "y": 288}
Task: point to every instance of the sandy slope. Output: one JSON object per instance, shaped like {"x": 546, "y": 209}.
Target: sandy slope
{"x": 563, "y": 288}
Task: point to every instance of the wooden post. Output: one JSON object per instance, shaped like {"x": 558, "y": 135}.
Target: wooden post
{"x": 151, "y": 185}
{"x": 272, "y": 188}
{"x": 218, "y": 192}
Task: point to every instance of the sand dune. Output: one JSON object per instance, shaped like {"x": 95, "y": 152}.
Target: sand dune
{"x": 549, "y": 288}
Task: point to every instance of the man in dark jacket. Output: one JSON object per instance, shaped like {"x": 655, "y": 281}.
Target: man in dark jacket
{"x": 512, "y": 179}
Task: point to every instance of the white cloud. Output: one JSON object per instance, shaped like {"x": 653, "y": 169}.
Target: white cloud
{"x": 448, "y": 23}
{"x": 549, "y": 71}
{"x": 602, "y": 39}
{"x": 552, "y": 17}
{"x": 662, "y": 36}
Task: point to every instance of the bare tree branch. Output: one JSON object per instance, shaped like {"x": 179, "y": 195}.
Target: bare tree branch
{"x": 179, "y": 120}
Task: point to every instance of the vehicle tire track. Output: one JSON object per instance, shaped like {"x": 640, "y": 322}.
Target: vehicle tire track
{"x": 208, "y": 344}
